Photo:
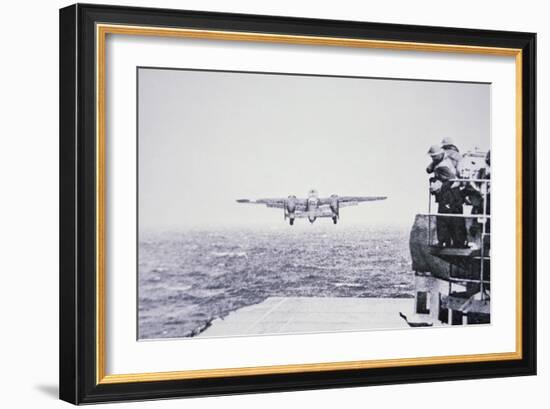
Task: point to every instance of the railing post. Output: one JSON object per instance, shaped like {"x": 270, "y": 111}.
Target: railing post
{"x": 429, "y": 215}
{"x": 483, "y": 233}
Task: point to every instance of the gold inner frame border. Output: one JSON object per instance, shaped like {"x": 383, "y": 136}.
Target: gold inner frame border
{"x": 102, "y": 30}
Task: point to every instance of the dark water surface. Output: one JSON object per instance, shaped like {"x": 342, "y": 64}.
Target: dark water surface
{"x": 188, "y": 278}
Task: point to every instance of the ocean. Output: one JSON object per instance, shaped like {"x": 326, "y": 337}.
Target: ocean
{"x": 188, "y": 278}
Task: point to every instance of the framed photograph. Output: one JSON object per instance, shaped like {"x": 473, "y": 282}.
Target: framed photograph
{"x": 257, "y": 203}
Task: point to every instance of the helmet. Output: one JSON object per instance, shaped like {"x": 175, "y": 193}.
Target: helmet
{"x": 435, "y": 150}
{"x": 447, "y": 141}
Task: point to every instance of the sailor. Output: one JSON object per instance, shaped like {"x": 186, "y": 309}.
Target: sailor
{"x": 451, "y": 152}
{"x": 451, "y": 231}
{"x": 480, "y": 187}
{"x": 485, "y": 172}
{"x": 477, "y": 194}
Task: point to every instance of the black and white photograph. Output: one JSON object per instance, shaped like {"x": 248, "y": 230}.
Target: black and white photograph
{"x": 283, "y": 203}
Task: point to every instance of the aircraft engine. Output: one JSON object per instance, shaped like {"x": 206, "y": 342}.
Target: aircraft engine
{"x": 291, "y": 205}
{"x": 334, "y": 204}
{"x": 290, "y": 208}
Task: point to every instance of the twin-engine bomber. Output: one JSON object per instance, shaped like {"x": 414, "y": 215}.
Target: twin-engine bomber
{"x": 313, "y": 206}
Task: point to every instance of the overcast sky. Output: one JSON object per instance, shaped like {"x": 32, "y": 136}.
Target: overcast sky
{"x": 207, "y": 138}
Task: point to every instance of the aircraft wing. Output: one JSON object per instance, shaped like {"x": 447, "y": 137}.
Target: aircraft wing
{"x": 355, "y": 200}
{"x": 277, "y": 203}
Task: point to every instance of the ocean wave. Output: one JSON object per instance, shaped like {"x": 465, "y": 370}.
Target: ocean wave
{"x": 230, "y": 254}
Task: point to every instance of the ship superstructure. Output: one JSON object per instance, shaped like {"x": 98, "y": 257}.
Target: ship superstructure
{"x": 453, "y": 284}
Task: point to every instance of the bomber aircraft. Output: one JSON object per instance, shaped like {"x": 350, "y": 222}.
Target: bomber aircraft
{"x": 313, "y": 206}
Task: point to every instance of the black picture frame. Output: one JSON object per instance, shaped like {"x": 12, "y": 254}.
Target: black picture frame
{"x": 78, "y": 235}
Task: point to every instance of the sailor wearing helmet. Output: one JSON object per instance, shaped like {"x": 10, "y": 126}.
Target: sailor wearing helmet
{"x": 451, "y": 152}
{"x": 451, "y": 231}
